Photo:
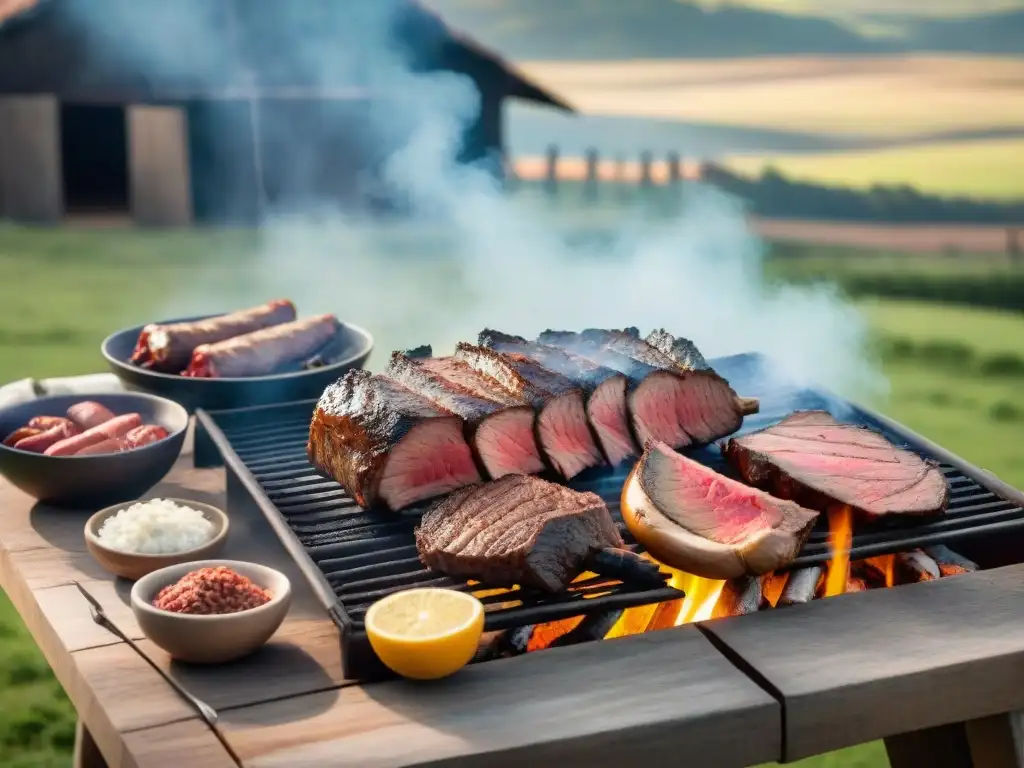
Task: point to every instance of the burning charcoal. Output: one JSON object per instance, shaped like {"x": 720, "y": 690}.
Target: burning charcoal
{"x": 594, "y": 627}
{"x": 739, "y": 597}
{"x": 856, "y": 584}
{"x": 800, "y": 588}
{"x": 626, "y": 566}
{"x": 868, "y": 572}
{"x": 505, "y": 645}
{"x": 915, "y": 566}
{"x": 949, "y": 562}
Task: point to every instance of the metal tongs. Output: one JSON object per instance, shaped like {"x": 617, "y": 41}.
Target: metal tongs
{"x": 208, "y": 713}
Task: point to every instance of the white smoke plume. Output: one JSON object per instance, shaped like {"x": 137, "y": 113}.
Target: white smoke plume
{"x": 476, "y": 257}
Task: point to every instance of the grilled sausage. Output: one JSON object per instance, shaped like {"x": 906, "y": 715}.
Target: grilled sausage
{"x": 109, "y": 445}
{"x": 42, "y": 442}
{"x": 167, "y": 348}
{"x": 117, "y": 427}
{"x": 89, "y": 414}
{"x": 46, "y": 422}
{"x": 263, "y": 352}
{"x": 20, "y": 434}
{"x": 144, "y": 435}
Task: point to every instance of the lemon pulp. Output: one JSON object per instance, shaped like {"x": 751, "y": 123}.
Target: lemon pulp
{"x": 425, "y": 633}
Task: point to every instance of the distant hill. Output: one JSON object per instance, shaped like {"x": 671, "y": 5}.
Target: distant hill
{"x": 630, "y": 29}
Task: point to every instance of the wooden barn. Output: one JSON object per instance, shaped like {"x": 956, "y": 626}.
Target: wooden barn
{"x": 179, "y": 111}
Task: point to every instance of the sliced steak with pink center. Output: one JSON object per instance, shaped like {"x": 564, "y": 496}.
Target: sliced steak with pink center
{"x": 499, "y": 427}
{"x": 692, "y": 518}
{"x": 605, "y": 389}
{"x": 516, "y": 530}
{"x": 562, "y": 427}
{"x": 819, "y": 462}
{"x": 666, "y": 402}
{"x": 387, "y": 445}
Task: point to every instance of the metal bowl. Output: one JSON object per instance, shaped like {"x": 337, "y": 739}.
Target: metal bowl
{"x": 218, "y": 394}
{"x": 96, "y": 480}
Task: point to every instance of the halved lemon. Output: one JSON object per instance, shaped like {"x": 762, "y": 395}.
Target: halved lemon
{"x": 425, "y": 633}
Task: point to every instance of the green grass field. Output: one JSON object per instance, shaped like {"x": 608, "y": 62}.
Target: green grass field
{"x": 984, "y": 169}
{"x": 62, "y": 291}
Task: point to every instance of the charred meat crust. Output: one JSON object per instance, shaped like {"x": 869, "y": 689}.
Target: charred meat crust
{"x": 584, "y": 373}
{"x": 761, "y": 470}
{"x": 357, "y": 422}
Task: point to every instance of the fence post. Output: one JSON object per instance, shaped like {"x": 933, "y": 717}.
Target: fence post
{"x": 551, "y": 181}
{"x": 674, "y": 168}
{"x": 590, "y": 184}
{"x": 645, "y": 169}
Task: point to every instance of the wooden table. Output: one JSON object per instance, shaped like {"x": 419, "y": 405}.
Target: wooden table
{"x": 937, "y": 670}
{"x": 656, "y": 699}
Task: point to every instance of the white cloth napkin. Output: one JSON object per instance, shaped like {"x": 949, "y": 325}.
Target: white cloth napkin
{"x": 29, "y": 389}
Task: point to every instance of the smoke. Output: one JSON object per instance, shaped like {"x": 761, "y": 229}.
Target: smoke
{"x": 473, "y": 256}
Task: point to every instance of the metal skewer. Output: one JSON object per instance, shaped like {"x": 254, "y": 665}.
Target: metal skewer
{"x": 208, "y": 713}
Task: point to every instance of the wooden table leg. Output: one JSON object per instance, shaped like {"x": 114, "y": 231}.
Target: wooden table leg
{"x": 87, "y": 754}
{"x": 943, "y": 747}
{"x": 997, "y": 742}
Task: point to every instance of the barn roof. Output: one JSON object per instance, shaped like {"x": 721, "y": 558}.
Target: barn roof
{"x": 46, "y": 51}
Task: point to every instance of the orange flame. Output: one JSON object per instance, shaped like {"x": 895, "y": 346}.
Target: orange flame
{"x": 885, "y": 565}
{"x": 840, "y": 537}
{"x": 701, "y": 597}
{"x": 772, "y": 585}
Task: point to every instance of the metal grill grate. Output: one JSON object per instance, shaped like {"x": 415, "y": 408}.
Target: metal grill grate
{"x": 353, "y": 557}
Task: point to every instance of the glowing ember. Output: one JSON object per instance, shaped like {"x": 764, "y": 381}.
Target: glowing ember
{"x": 545, "y": 634}
{"x": 840, "y": 537}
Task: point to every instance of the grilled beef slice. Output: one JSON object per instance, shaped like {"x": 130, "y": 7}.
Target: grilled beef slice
{"x": 813, "y": 459}
{"x": 499, "y": 427}
{"x": 562, "y": 427}
{"x": 605, "y": 389}
{"x": 692, "y": 518}
{"x": 516, "y": 530}
{"x": 666, "y": 402}
{"x": 387, "y": 445}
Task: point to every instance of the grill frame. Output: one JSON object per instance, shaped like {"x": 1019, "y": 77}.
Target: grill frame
{"x": 250, "y": 427}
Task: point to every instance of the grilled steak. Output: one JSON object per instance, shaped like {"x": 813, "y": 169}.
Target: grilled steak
{"x": 499, "y": 426}
{"x": 692, "y": 518}
{"x": 562, "y": 427}
{"x": 815, "y": 460}
{"x": 666, "y": 402}
{"x": 605, "y": 389}
{"x": 516, "y": 530}
{"x": 387, "y": 445}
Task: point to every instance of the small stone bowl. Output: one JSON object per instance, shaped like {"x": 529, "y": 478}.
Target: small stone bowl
{"x": 215, "y": 639}
{"x": 131, "y": 565}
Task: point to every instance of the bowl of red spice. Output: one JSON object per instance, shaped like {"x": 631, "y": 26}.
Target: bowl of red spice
{"x": 211, "y": 611}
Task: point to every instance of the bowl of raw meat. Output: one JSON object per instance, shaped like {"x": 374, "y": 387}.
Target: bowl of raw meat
{"x": 90, "y": 451}
{"x": 256, "y": 356}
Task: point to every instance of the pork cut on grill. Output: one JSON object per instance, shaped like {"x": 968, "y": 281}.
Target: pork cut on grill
{"x": 562, "y": 428}
{"x": 387, "y": 445}
{"x": 499, "y": 426}
{"x": 605, "y": 389}
{"x": 817, "y": 461}
{"x": 516, "y": 530}
{"x": 667, "y": 402}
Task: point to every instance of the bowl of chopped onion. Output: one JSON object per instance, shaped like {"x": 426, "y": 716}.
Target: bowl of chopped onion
{"x": 211, "y": 611}
{"x": 136, "y": 538}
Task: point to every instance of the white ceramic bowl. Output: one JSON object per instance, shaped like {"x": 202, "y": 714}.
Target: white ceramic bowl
{"x": 211, "y": 639}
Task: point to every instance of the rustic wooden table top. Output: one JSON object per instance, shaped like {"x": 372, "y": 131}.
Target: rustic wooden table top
{"x": 653, "y": 698}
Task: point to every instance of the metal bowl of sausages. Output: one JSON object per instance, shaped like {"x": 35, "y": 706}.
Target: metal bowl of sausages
{"x": 256, "y": 356}
{"x": 88, "y": 451}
